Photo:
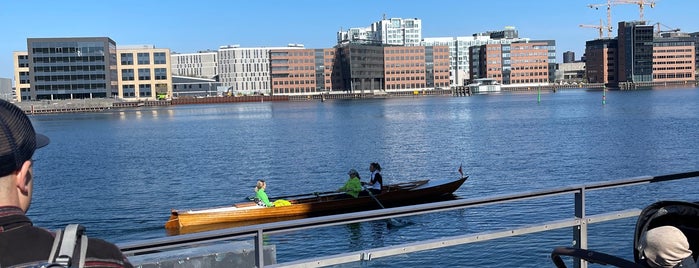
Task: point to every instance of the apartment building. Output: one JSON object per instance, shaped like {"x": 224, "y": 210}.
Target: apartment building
{"x": 144, "y": 72}
{"x": 393, "y": 31}
{"x": 70, "y": 68}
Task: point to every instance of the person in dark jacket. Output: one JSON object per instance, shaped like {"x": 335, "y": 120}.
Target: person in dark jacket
{"x": 375, "y": 184}
{"x": 21, "y": 243}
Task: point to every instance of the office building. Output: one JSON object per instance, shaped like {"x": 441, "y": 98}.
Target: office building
{"x": 635, "y": 52}
{"x": 21, "y": 75}
{"x": 601, "y": 61}
{"x": 459, "y": 46}
{"x": 246, "y": 70}
{"x": 71, "y": 68}
{"x": 144, "y": 72}
{"x": 673, "y": 60}
{"x": 520, "y": 62}
{"x": 416, "y": 67}
{"x": 202, "y": 64}
{"x": 568, "y": 56}
{"x": 304, "y": 71}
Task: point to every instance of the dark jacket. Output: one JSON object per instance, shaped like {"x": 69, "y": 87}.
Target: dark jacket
{"x": 23, "y": 244}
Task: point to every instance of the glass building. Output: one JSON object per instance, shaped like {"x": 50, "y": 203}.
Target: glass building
{"x": 71, "y": 68}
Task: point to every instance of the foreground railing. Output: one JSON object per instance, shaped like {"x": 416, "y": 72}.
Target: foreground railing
{"x": 579, "y": 223}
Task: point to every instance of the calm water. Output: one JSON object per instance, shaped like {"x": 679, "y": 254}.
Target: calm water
{"x": 120, "y": 172}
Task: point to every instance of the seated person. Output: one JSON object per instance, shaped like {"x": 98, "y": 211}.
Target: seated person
{"x": 353, "y": 186}
{"x": 666, "y": 246}
{"x": 261, "y": 196}
{"x": 375, "y": 184}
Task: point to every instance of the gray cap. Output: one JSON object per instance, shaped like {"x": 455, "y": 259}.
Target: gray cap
{"x": 352, "y": 172}
{"x": 664, "y": 246}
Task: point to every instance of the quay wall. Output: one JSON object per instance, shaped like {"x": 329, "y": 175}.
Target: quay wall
{"x": 97, "y": 105}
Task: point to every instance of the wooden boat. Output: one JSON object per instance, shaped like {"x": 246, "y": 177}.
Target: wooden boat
{"x": 315, "y": 204}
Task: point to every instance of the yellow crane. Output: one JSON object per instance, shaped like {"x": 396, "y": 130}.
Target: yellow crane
{"x": 599, "y": 27}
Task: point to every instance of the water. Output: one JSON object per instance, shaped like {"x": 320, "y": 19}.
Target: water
{"x": 120, "y": 172}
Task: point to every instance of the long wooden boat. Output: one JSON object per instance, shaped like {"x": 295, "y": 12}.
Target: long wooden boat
{"x": 315, "y": 204}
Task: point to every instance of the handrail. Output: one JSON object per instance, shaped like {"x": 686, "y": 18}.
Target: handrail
{"x": 150, "y": 245}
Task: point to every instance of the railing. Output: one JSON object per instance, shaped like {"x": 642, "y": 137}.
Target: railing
{"x": 579, "y": 223}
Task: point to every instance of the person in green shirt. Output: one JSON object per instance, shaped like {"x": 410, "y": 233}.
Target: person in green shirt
{"x": 262, "y": 198}
{"x": 353, "y": 186}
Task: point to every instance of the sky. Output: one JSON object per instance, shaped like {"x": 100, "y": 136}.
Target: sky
{"x": 190, "y": 26}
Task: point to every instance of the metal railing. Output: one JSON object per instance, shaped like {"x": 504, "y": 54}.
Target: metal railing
{"x": 579, "y": 223}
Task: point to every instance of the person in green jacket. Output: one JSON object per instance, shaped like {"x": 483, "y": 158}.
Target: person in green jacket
{"x": 262, "y": 198}
{"x": 353, "y": 186}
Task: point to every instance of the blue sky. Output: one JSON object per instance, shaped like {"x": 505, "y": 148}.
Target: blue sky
{"x": 190, "y": 26}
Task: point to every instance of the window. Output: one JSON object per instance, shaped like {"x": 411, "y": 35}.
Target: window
{"x": 126, "y": 59}
{"x": 144, "y": 74}
{"x": 143, "y": 58}
{"x": 127, "y": 75}
{"x": 159, "y": 58}
{"x": 160, "y": 74}
{"x": 144, "y": 91}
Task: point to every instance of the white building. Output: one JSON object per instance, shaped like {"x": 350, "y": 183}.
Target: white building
{"x": 246, "y": 70}
{"x": 202, "y": 64}
{"x": 394, "y": 31}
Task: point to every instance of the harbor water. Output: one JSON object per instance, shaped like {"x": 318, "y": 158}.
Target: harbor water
{"x": 119, "y": 172}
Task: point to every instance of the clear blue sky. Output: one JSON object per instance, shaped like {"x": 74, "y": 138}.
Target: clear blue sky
{"x": 190, "y": 26}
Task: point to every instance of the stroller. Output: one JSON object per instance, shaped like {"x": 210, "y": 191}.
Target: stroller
{"x": 682, "y": 215}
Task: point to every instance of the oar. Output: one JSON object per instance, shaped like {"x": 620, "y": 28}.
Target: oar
{"x": 391, "y": 221}
{"x": 298, "y": 195}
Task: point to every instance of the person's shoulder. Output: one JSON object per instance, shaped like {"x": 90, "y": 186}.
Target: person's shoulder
{"x": 102, "y": 252}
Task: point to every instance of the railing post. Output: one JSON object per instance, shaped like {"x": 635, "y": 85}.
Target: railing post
{"x": 580, "y": 231}
{"x": 259, "y": 250}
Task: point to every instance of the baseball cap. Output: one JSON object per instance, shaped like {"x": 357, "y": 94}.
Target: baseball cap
{"x": 352, "y": 172}
{"x": 18, "y": 140}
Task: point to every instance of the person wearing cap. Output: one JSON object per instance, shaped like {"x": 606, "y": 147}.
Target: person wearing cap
{"x": 21, "y": 243}
{"x": 353, "y": 186}
{"x": 666, "y": 247}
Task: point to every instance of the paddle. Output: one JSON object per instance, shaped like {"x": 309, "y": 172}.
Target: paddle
{"x": 251, "y": 198}
{"x": 391, "y": 221}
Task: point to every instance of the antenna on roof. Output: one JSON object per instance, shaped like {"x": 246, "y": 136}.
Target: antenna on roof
{"x": 384, "y": 16}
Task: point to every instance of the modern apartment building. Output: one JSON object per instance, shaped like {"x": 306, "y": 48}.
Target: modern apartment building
{"x": 70, "y": 68}
{"x": 515, "y": 63}
{"x": 393, "y": 31}
{"x": 144, "y": 72}
{"x": 202, "y": 64}
{"x": 21, "y": 75}
{"x": 247, "y": 70}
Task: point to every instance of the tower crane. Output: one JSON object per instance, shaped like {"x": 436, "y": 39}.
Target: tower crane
{"x": 640, "y": 3}
{"x": 669, "y": 29}
{"x": 599, "y": 27}
{"x": 609, "y": 16}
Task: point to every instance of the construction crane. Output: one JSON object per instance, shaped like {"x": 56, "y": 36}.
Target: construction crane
{"x": 599, "y": 27}
{"x": 669, "y": 29}
{"x": 609, "y": 16}
{"x": 610, "y": 3}
{"x": 640, "y": 3}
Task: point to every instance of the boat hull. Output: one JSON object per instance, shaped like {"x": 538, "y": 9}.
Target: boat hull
{"x": 249, "y": 213}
